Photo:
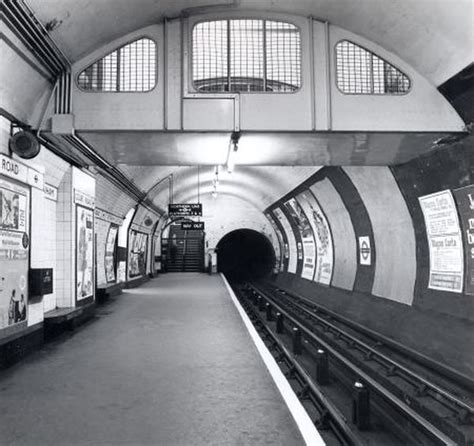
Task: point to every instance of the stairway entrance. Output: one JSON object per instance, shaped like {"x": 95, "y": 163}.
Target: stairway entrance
{"x": 183, "y": 251}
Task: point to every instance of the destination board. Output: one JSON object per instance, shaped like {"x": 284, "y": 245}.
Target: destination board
{"x": 185, "y": 209}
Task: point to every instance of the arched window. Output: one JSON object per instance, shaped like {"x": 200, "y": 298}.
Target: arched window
{"x": 246, "y": 55}
{"x": 359, "y": 71}
{"x": 130, "y": 68}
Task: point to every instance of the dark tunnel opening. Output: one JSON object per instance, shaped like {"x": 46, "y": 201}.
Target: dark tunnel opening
{"x": 245, "y": 254}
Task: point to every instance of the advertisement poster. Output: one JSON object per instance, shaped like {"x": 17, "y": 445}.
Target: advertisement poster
{"x": 110, "y": 254}
{"x": 84, "y": 252}
{"x": 138, "y": 249}
{"x": 444, "y": 240}
{"x": 323, "y": 238}
{"x": 278, "y": 246}
{"x": 14, "y": 246}
{"x": 292, "y": 250}
{"x": 465, "y": 201}
{"x": 307, "y": 252}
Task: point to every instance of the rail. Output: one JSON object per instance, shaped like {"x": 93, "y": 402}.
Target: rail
{"x": 465, "y": 412}
{"x": 430, "y": 429}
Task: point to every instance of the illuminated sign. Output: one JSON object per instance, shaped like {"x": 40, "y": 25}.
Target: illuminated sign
{"x": 185, "y": 209}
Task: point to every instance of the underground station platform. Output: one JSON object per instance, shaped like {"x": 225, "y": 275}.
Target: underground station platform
{"x": 172, "y": 364}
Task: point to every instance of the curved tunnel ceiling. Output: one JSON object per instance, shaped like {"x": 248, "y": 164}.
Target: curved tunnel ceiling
{"x": 259, "y": 186}
{"x": 433, "y": 36}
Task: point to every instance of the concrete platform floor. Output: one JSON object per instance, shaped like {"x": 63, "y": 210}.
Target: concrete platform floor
{"x": 169, "y": 363}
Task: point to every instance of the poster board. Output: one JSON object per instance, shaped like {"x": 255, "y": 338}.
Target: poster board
{"x": 306, "y": 252}
{"x": 291, "y": 251}
{"x": 324, "y": 263}
{"x": 279, "y": 248}
{"x": 444, "y": 241}
{"x": 465, "y": 200}
{"x": 138, "y": 244}
{"x": 84, "y": 253}
{"x": 110, "y": 254}
{"x": 14, "y": 252}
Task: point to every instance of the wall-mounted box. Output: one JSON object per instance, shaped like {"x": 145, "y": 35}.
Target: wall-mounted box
{"x": 40, "y": 281}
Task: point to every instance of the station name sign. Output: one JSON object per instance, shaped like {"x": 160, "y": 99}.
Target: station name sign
{"x": 18, "y": 171}
{"x": 192, "y": 225}
{"x": 185, "y": 209}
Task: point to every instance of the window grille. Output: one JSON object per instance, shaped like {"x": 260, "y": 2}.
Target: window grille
{"x": 131, "y": 68}
{"x": 246, "y": 55}
{"x": 359, "y": 71}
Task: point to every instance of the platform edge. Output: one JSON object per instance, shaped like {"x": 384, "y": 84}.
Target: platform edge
{"x": 308, "y": 431}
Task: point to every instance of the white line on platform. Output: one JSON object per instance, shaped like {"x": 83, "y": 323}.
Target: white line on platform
{"x": 308, "y": 431}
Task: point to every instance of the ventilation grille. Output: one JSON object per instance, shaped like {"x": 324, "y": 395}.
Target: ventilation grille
{"x": 359, "y": 71}
{"x": 246, "y": 56}
{"x": 131, "y": 68}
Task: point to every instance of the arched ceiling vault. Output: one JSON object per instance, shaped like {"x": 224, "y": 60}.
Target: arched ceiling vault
{"x": 258, "y": 185}
{"x": 434, "y": 36}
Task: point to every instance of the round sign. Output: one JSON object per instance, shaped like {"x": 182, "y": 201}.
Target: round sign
{"x": 365, "y": 250}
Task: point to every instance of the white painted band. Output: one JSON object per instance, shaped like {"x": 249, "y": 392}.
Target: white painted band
{"x": 305, "y": 425}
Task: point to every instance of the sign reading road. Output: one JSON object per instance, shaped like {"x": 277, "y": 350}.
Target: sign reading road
{"x": 192, "y": 225}
{"x": 185, "y": 209}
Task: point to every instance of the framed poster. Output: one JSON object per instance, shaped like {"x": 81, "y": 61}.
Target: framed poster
{"x": 444, "y": 241}
{"x": 110, "y": 254}
{"x": 324, "y": 263}
{"x": 306, "y": 250}
{"x": 279, "y": 255}
{"x": 291, "y": 250}
{"x": 465, "y": 201}
{"x": 138, "y": 252}
{"x": 84, "y": 253}
{"x": 14, "y": 252}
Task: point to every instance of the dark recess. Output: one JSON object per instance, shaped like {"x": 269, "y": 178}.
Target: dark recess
{"x": 245, "y": 255}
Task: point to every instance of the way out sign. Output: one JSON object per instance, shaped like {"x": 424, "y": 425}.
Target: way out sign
{"x": 365, "y": 252}
{"x": 192, "y": 225}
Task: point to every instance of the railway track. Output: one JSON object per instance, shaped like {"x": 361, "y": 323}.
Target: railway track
{"x": 425, "y": 411}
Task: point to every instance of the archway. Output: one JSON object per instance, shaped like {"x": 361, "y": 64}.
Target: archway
{"x": 245, "y": 254}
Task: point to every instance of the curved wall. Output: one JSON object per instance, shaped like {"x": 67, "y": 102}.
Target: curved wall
{"x": 386, "y": 286}
{"x": 395, "y": 270}
{"x": 343, "y": 235}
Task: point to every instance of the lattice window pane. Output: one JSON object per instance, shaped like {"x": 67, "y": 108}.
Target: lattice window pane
{"x": 358, "y": 71}
{"x": 131, "y": 68}
{"x": 246, "y": 55}
{"x": 210, "y": 69}
{"x": 283, "y": 50}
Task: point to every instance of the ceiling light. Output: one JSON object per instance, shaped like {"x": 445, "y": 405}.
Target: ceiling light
{"x": 233, "y": 147}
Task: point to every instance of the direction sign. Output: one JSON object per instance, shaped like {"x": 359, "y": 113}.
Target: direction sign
{"x": 185, "y": 209}
{"x": 192, "y": 225}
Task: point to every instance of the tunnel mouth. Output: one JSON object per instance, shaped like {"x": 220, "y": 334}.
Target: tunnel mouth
{"x": 244, "y": 255}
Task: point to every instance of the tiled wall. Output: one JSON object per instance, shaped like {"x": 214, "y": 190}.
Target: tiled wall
{"x": 65, "y": 243}
{"x": 110, "y": 198}
{"x": 101, "y": 231}
{"x": 53, "y": 223}
{"x": 4, "y": 134}
{"x": 44, "y": 230}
